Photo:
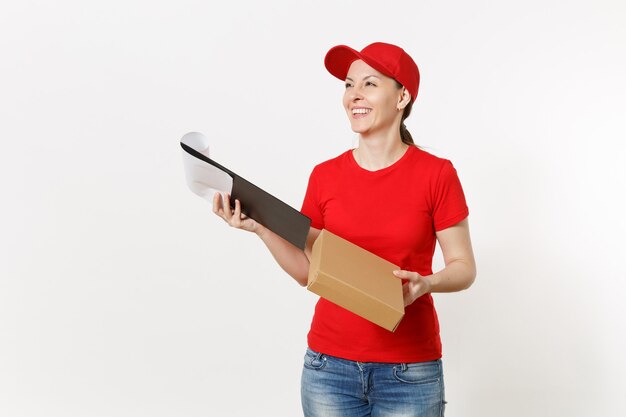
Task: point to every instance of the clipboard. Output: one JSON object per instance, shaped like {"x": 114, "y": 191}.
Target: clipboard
{"x": 261, "y": 206}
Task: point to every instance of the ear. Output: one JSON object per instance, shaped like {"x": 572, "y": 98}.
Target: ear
{"x": 404, "y": 99}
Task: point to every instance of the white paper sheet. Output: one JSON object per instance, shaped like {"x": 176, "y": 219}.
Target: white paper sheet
{"x": 202, "y": 178}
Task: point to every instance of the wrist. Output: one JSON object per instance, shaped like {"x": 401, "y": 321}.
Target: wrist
{"x": 260, "y": 230}
{"x": 431, "y": 281}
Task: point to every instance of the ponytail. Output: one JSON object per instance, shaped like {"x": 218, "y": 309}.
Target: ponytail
{"x": 405, "y": 135}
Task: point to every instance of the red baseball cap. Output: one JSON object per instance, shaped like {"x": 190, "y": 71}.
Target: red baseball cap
{"x": 386, "y": 58}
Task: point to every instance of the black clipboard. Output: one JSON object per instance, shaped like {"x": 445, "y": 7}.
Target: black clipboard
{"x": 263, "y": 207}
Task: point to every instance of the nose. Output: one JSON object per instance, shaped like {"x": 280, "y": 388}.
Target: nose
{"x": 355, "y": 93}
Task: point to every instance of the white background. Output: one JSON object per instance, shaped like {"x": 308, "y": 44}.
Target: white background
{"x": 121, "y": 294}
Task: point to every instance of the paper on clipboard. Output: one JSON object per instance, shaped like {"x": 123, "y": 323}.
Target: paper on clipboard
{"x": 203, "y": 179}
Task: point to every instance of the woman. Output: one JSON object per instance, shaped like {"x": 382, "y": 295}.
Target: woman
{"x": 395, "y": 200}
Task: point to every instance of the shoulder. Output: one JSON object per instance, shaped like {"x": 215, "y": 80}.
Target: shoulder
{"x": 331, "y": 166}
{"x": 427, "y": 163}
{"x": 428, "y": 158}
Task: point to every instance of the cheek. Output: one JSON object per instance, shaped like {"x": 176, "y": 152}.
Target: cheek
{"x": 345, "y": 102}
{"x": 390, "y": 107}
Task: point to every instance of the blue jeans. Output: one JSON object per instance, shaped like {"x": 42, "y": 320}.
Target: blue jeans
{"x": 334, "y": 387}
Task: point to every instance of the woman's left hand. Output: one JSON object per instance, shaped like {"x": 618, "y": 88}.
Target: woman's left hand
{"x": 415, "y": 287}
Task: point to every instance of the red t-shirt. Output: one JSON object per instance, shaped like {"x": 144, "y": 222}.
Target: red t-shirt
{"x": 394, "y": 213}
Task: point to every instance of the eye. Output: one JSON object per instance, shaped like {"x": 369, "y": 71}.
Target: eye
{"x": 348, "y": 85}
{"x": 368, "y": 83}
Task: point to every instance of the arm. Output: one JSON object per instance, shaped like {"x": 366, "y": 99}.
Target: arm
{"x": 291, "y": 259}
{"x": 459, "y": 271}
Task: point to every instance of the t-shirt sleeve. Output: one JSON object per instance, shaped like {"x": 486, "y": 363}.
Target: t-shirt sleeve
{"x": 449, "y": 206}
{"x": 311, "y": 205}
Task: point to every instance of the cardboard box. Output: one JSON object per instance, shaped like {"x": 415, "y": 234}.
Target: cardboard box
{"x": 356, "y": 280}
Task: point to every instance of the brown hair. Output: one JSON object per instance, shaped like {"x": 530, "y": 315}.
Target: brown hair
{"x": 405, "y": 135}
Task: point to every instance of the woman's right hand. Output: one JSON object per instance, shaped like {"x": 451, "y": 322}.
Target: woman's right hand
{"x": 234, "y": 218}
{"x": 291, "y": 259}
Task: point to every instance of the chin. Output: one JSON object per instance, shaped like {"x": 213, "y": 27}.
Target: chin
{"x": 359, "y": 129}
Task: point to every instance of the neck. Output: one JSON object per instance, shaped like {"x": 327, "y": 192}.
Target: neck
{"x": 378, "y": 152}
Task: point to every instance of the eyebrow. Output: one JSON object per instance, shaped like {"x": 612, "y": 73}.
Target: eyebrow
{"x": 364, "y": 78}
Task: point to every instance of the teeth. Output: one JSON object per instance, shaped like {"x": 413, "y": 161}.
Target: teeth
{"x": 361, "y": 111}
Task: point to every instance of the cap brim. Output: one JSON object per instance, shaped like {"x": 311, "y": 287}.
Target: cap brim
{"x": 338, "y": 60}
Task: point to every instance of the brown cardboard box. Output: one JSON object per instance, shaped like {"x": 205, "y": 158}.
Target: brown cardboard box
{"x": 356, "y": 280}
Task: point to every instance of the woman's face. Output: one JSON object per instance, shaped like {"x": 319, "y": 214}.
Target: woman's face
{"x": 371, "y": 99}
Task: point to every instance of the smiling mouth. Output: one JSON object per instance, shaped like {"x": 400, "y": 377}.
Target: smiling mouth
{"x": 360, "y": 112}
